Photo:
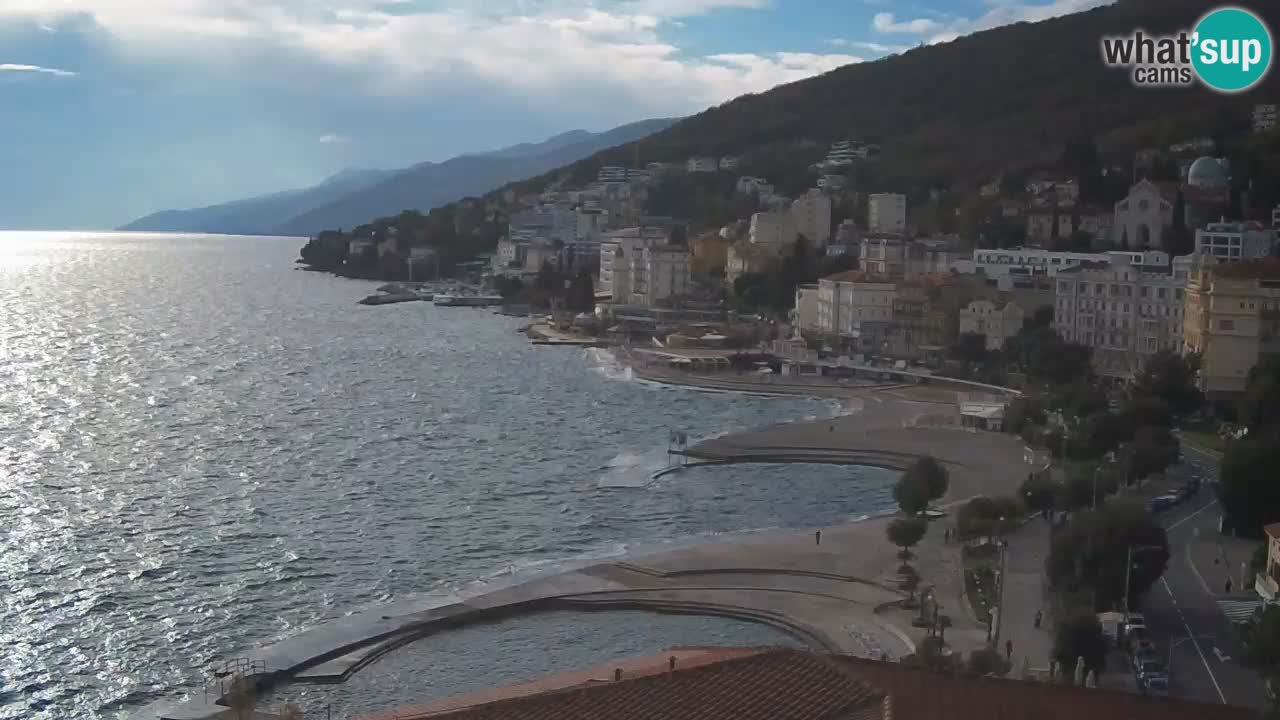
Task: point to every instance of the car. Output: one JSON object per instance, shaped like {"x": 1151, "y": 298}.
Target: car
{"x": 1144, "y": 667}
{"x": 1162, "y": 502}
{"x": 1188, "y": 490}
{"x": 1155, "y": 685}
{"x": 1141, "y": 645}
{"x": 1134, "y": 620}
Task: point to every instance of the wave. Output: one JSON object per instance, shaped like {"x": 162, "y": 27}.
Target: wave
{"x": 607, "y": 364}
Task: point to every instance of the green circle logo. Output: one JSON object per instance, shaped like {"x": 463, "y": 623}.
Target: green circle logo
{"x": 1231, "y": 49}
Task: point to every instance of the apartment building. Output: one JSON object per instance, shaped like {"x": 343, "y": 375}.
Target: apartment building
{"x": 1232, "y": 320}
{"x": 811, "y": 215}
{"x": 659, "y": 273}
{"x": 857, "y": 308}
{"x": 995, "y": 320}
{"x": 883, "y": 254}
{"x": 1233, "y": 241}
{"x": 616, "y": 251}
{"x": 772, "y": 228}
{"x": 702, "y": 164}
{"x": 805, "y": 314}
{"x": 887, "y": 213}
{"x": 1122, "y": 311}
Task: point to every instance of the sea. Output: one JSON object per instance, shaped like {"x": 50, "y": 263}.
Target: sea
{"x": 204, "y": 448}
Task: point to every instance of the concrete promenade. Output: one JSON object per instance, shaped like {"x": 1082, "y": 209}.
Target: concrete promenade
{"x": 841, "y": 594}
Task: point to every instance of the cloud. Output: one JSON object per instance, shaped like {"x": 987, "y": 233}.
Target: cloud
{"x": 887, "y": 22}
{"x": 874, "y": 47}
{"x": 333, "y": 139}
{"x": 10, "y": 67}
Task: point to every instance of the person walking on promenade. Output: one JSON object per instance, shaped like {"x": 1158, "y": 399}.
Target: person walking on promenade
{"x": 817, "y": 537}
{"x": 1008, "y": 650}
{"x": 1039, "y": 616}
{"x": 1228, "y": 586}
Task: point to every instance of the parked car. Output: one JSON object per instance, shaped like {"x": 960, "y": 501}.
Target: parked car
{"x": 1162, "y": 502}
{"x": 1156, "y": 685}
{"x": 1147, "y": 666}
{"x": 1134, "y": 620}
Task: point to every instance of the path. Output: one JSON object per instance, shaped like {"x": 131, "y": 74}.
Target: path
{"x": 1022, "y": 595}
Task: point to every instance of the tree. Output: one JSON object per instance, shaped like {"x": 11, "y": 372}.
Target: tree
{"x": 986, "y": 516}
{"x": 912, "y": 493}
{"x": 987, "y": 661}
{"x": 1172, "y": 378}
{"x": 1079, "y": 398}
{"x": 905, "y": 532}
{"x": 1041, "y": 318}
{"x": 1079, "y": 635}
{"x": 1249, "y": 494}
{"x": 1088, "y": 554}
{"x": 1260, "y": 406}
{"x": 1262, "y": 642}
{"x": 932, "y": 475}
{"x": 1153, "y": 449}
{"x": 1147, "y": 411}
{"x": 1038, "y": 492}
{"x": 970, "y": 347}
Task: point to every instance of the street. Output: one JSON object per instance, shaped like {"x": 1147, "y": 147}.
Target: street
{"x": 1183, "y": 611}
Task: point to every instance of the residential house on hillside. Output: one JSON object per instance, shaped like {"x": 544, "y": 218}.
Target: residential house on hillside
{"x": 811, "y": 215}
{"x": 1232, "y": 241}
{"x": 748, "y": 185}
{"x": 745, "y": 257}
{"x": 616, "y": 252}
{"x": 995, "y": 320}
{"x": 924, "y": 321}
{"x": 856, "y": 310}
{"x": 805, "y": 314}
{"x": 1232, "y": 320}
{"x": 772, "y": 228}
{"x": 887, "y": 213}
{"x": 659, "y": 274}
{"x": 702, "y": 164}
{"x": 729, "y": 162}
{"x": 709, "y": 251}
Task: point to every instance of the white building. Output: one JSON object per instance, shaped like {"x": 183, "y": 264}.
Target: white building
{"x": 1142, "y": 218}
{"x": 805, "y": 315}
{"x": 728, "y": 162}
{"x": 772, "y": 228}
{"x": 1008, "y": 265}
{"x": 1230, "y": 242}
{"x": 612, "y": 173}
{"x": 658, "y": 273}
{"x": 509, "y": 258}
{"x": 995, "y": 320}
{"x": 1124, "y": 313}
{"x": 616, "y": 252}
{"x": 833, "y": 183}
{"x": 748, "y": 185}
{"x": 702, "y": 164}
{"x": 857, "y": 307}
{"x": 592, "y": 222}
{"x": 1264, "y": 118}
{"x": 883, "y": 254}
{"x": 811, "y": 215}
{"x": 887, "y": 213}
{"x": 845, "y": 152}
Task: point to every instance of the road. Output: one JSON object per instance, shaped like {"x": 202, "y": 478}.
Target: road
{"x": 1182, "y": 611}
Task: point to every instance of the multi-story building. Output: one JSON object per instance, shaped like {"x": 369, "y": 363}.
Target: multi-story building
{"x": 1041, "y": 221}
{"x": 748, "y": 185}
{"x": 1232, "y": 320}
{"x": 845, "y": 152}
{"x": 611, "y": 173}
{"x": 883, "y": 254}
{"x": 744, "y": 257}
{"x": 1142, "y": 218}
{"x": 924, "y": 321}
{"x": 659, "y": 273}
{"x": 1125, "y": 313}
{"x": 856, "y": 308}
{"x": 811, "y": 214}
{"x": 1009, "y": 265}
{"x": 728, "y": 162}
{"x": 887, "y": 213}
{"x": 772, "y": 228}
{"x": 616, "y": 251}
{"x": 1232, "y": 241}
{"x": 805, "y": 314}
{"x": 592, "y": 222}
{"x": 709, "y": 252}
{"x": 933, "y": 255}
{"x": 509, "y": 257}
{"x": 996, "y": 320}
{"x": 548, "y": 222}
{"x": 1264, "y": 118}
{"x": 832, "y": 183}
{"x": 701, "y": 164}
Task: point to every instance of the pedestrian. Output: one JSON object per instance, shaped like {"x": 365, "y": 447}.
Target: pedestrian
{"x": 946, "y": 535}
{"x": 1008, "y": 649}
{"x": 817, "y": 537}
{"x": 1228, "y": 586}
{"x": 1039, "y": 615}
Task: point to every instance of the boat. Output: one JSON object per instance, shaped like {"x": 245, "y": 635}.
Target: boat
{"x": 466, "y": 300}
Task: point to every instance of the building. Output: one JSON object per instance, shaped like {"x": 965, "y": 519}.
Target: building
{"x": 592, "y": 222}
{"x": 805, "y": 314}
{"x": 702, "y": 165}
{"x": 1232, "y": 320}
{"x": 725, "y": 683}
{"x": 1264, "y": 118}
{"x": 728, "y": 163}
{"x": 883, "y": 254}
{"x": 659, "y": 273}
{"x": 748, "y": 185}
{"x": 1267, "y": 582}
{"x": 845, "y": 152}
{"x": 925, "y": 317}
{"x": 811, "y": 215}
{"x": 744, "y": 257}
{"x": 1142, "y": 218}
{"x": 509, "y": 257}
{"x": 1006, "y": 267}
{"x": 1275, "y": 218}
{"x": 832, "y": 183}
{"x": 887, "y": 213}
{"x": 772, "y": 228}
{"x": 857, "y": 309}
{"x": 995, "y": 320}
{"x": 1232, "y": 241}
{"x": 616, "y": 251}
{"x": 933, "y": 255}
{"x": 1040, "y": 225}
{"x": 1122, "y": 311}
{"x": 611, "y": 173}
{"x": 708, "y": 252}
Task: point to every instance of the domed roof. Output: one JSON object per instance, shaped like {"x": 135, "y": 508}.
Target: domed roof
{"x": 1207, "y": 172}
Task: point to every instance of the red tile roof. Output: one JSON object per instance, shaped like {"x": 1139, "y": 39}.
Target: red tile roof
{"x": 785, "y": 684}
{"x": 1267, "y": 268}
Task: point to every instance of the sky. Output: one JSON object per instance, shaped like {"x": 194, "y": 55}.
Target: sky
{"x": 111, "y": 109}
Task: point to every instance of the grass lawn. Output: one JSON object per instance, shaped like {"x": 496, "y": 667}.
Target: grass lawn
{"x": 980, "y": 580}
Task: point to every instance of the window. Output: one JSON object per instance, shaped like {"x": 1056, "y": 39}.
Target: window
{"x": 1097, "y": 289}
{"x": 1226, "y": 324}
{"x": 1084, "y": 288}
{"x": 1143, "y": 291}
{"x": 1162, "y": 293}
{"x": 1177, "y": 294}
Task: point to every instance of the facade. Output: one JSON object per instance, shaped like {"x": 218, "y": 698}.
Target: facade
{"x": 612, "y": 173}
{"x": 1121, "y": 311}
{"x": 832, "y": 183}
{"x": 592, "y": 222}
{"x": 1232, "y": 320}
{"x": 659, "y": 273}
{"x": 925, "y": 317}
{"x": 1009, "y": 265}
{"x": 772, "y": 228}
{"x": 805, "y": 315}
{"x": 748, "y": 185}
{"x": 743, "y": 258}
{"x": 708, "y": 252}
{"x": 995, "y": 320}
{"x": 811, "y": 215}
{"x": 616, "y": 251}
{"x": 728, "y": 162}
{"x": 1142, "y": 218}
{"x": 883, "y": 254}
{"x": 1040, "y": 225}
{"x": 1267, "y": 582}
{"x": 857, "y": 308}
{"x": 702, "y": 164}
{"x": 887, "y": 213}
{"x": 509, "y": 257}
{"x": 1230, "y": 242}
{"x": 845, "y": 152}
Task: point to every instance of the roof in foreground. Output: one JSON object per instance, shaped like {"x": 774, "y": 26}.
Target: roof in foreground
{"x": 1267, "y": 268}
{"x": 786, "y": 684}
{"x": 1273, "y": 530}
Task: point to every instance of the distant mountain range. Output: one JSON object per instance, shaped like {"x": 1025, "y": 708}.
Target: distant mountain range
{"x": 355, "y": 196}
